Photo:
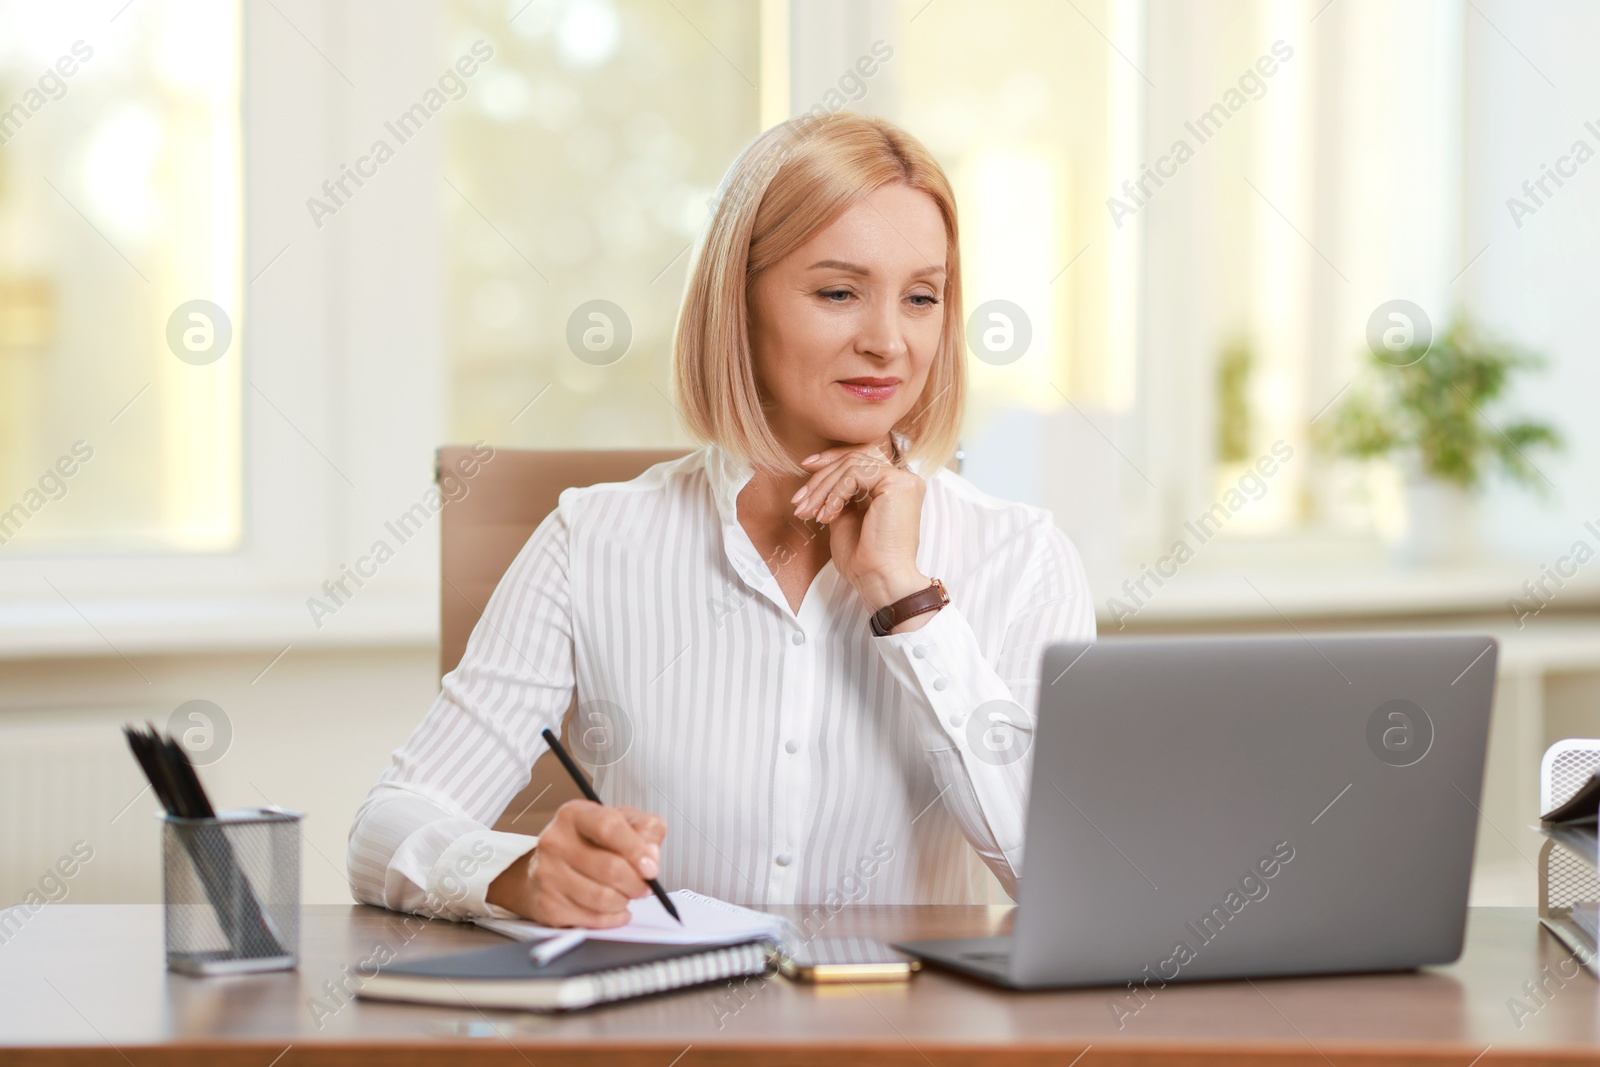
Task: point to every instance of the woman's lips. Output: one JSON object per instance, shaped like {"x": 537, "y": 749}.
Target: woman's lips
{"x": 872, "y": 388}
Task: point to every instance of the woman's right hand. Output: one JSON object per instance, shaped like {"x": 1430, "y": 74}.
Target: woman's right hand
{"x": 590, "y": 861}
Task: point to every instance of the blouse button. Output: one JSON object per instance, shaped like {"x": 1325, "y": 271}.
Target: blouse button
{"x": 798, "y": 638}
{"x": 919, "y": 651}
{"x": 783, "y": 859}
{"x": 940, "y": 683}
{"x": 791, "y": 748}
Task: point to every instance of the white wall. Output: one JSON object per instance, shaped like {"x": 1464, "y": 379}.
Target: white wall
{"x": 315, "y": 730}
{"x": 312, "y": 734}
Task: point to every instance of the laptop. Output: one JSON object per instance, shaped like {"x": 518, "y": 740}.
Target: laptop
{"x": 1244, "y": 806}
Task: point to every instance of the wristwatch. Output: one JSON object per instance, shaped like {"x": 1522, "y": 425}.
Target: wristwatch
{"x": 930, "y": 599}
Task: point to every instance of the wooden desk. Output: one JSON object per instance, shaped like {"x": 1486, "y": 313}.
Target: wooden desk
{"x": 87, "y": 985}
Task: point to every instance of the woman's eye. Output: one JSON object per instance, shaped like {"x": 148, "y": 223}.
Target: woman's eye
{"x": 836, "y": 296}
{"x": 924, "y": 300}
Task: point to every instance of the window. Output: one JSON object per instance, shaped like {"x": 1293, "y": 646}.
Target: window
{"x": 120, "y": 288}
{"x": 577, "y": 178}
{"x": 183, "y": 155}
{"x": 1148, "y": 320}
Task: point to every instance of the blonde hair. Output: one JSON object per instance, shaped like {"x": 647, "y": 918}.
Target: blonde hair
{"x": 793, "y": 181}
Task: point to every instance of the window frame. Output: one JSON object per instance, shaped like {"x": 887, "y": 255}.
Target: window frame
{"x": 325, "y": 460}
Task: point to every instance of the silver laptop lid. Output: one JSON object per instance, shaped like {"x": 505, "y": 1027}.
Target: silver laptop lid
{"x": 1211, "y": 807}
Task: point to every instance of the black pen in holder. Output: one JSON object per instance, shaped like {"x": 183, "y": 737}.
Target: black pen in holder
{"x": 231, "y": 885}
{"x": 230, "y": 880}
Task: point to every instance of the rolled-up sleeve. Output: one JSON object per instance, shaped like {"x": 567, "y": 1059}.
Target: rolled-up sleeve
{"x": 975, "y": 716}
{"x": 421, "y": 841}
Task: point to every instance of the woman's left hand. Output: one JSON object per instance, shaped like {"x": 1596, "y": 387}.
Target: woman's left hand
{"x": 873, "y": 511}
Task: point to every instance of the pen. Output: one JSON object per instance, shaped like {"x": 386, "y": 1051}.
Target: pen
{"x": 588, "y": 791}
{"x": 558, "y": 945}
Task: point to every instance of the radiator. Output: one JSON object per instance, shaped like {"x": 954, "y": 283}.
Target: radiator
{"x": 76, "y": 820}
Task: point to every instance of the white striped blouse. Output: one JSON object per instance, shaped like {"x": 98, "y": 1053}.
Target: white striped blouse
{"x": 796, "y": 758}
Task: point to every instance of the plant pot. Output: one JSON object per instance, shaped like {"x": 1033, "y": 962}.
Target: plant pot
{"x": 1441, "y": 523}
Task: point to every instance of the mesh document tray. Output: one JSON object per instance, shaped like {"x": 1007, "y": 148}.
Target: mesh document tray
{"x": 1568, "y": 876}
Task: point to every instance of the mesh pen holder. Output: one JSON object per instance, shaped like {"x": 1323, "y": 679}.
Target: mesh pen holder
{"x": 231, "y": 886}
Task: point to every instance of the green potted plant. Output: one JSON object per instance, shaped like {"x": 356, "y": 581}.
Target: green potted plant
{"x": 1435, "y": 411}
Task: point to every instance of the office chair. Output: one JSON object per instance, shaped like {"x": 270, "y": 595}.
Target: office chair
{"x": 480, "y": 534}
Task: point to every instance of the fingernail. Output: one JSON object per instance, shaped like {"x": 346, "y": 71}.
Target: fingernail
{"x": 654, "y": 850}
{"x": 798, "y": 493}
{"x": 809, "y": 459}
{"x": 648, "y": 867}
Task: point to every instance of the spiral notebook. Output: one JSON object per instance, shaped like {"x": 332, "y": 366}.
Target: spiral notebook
{"x": 596, "y": 972}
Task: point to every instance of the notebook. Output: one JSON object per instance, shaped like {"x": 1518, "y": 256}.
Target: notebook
{"x": 706, "y": 921}
{"x": 596, "y": 972}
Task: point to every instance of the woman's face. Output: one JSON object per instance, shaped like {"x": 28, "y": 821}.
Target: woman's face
{"x": 845, "y": 327}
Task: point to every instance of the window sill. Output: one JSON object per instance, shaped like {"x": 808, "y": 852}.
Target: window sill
{"x": 223, "y": 624}
{"x": 1320, "y": 590}
{"x": 1336, "y": 594}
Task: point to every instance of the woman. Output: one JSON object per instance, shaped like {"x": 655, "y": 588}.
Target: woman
{"x": 722, "y": 605}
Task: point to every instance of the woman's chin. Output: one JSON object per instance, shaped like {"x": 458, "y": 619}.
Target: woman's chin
{"x": 859, "y": 433}
{"x": 862, "y": 427}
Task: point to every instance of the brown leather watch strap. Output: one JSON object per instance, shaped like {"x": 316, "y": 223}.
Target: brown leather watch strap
{"x": 887, "y": 618}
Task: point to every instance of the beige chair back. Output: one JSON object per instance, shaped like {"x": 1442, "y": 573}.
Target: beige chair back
{"x": 480, "y": 534}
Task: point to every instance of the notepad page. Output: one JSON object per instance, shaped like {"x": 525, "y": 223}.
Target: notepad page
{"x": 706, "y": 921}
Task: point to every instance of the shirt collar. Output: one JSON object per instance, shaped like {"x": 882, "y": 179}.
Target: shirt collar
{"x": 728, "y": 474}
